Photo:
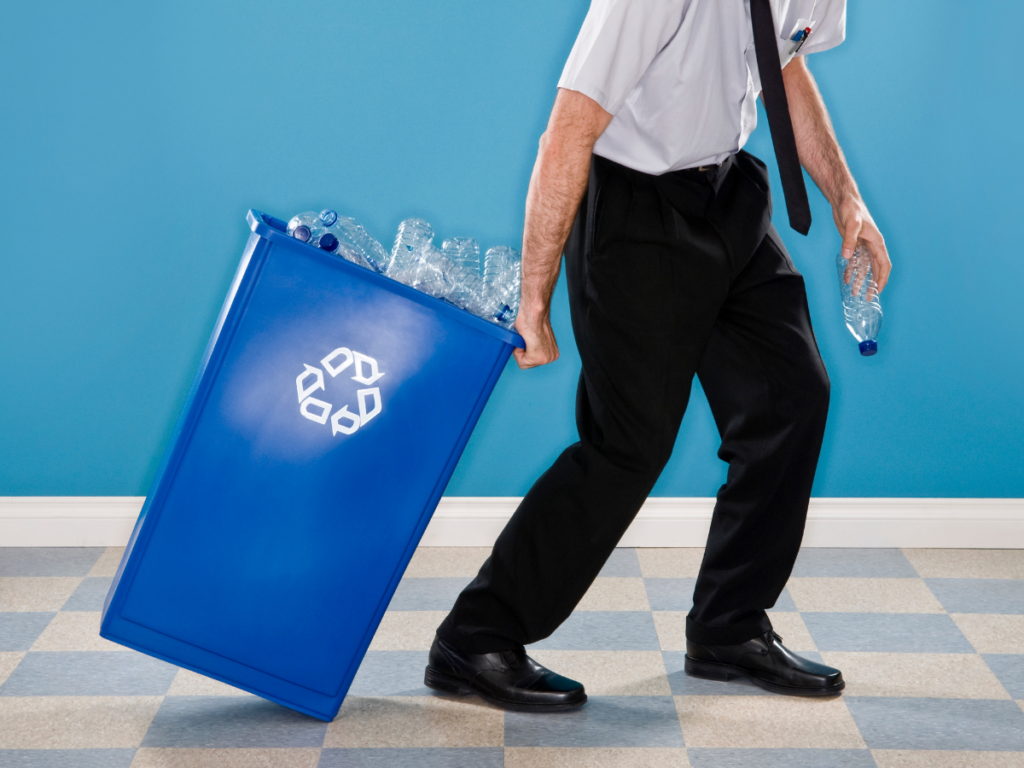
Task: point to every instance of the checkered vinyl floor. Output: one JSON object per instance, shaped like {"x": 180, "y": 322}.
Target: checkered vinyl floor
{"x": 931, "y": 643}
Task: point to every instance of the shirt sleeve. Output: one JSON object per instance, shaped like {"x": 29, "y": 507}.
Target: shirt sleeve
{"x": 617, "y": 43}
{"x": 831, "y": 27}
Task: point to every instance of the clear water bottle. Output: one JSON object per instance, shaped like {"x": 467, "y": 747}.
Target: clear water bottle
{"x": 306, "y": 227}
{"x": 468, "y": 290}
{"x": 463, "y": 252}
{"x": 430, "y": 272}
{"x": 502, "y": 281}
{"x": 360, "y": 244}
{"x": 416, "y": 262}
{"x": 861, "y": 306}
{"x": 413, "y": 235}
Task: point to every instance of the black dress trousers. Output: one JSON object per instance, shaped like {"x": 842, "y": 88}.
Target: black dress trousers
{"x": 668, "y": 276}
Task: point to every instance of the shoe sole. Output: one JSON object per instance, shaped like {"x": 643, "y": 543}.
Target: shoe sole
{"x": 713, "y": 670}
{"x": 447, "y": 684}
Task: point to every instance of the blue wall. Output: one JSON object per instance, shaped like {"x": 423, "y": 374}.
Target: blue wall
{"x": 134, "y": 136}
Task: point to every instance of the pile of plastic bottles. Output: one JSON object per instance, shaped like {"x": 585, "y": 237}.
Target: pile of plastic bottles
{"x": 489, "y": 288}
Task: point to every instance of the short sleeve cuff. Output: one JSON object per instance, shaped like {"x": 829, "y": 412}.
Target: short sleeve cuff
{"x": 593, "y": 91}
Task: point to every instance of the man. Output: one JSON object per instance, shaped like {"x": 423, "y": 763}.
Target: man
{"x": 673, "y": 269}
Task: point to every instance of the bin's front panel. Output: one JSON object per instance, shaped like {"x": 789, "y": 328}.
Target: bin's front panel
{"x": 325, "y": 433}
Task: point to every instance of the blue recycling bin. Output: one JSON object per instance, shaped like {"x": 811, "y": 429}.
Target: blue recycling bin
{"x": 329, "y": 411}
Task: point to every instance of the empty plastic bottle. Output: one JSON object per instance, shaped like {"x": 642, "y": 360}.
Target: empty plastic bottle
{"x": 502, "y": 281}
{"x": 306, "y": 227}
{"x": 413, "y": 234}
{"x": 417, "y": 263}
{"x": 430, "y": 272}
{"x": 861, "y": 306}
{"x": 371, "y": 253}
{"x": 463, "y": 252}
{"x": 468, "y": 291}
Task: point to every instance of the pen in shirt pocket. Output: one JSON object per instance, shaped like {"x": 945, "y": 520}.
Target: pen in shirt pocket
{"x": 800, "y": 38}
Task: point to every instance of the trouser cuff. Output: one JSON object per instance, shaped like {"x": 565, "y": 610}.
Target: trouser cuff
{"x": 730, "y": 634}
{"x": 474, "y": 641}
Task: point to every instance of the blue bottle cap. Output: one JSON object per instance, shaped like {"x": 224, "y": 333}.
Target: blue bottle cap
{"x": 302, "y": 233}
{"x": 328, "y": 217}
{"x": 328, "y": 243}
{"x": 869, "y": 347}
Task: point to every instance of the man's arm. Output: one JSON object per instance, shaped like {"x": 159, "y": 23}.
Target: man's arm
{"x": 556, "y": 188}
{"x": 821, "y": 156}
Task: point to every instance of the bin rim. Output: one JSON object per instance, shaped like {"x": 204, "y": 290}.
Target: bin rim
{"x": 275, "y": 230}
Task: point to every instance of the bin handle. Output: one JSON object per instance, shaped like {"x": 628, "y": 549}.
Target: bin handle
{"x": 259, "y": 222}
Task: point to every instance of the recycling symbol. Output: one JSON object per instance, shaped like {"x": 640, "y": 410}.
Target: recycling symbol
{"x": 343, "y": 420}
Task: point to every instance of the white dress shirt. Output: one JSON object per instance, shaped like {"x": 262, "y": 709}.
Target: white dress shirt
{"x": 680, "y": 76}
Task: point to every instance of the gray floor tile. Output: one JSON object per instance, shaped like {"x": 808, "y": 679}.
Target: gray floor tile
{"x": 861, "y": 563}
{"x": 66, "y": 758}
{"x": 605, "y": 721}
{"x": 604, "y": 631}
{"x": 19, "y": 630}
{"x": 391, "y": 673}
{"x": 670, "y": 594}
{"x": 427, "y": 594}
{"x": 623, "y": 562}
{"x": 89, "y": 673}
{"x": 886, "y": 632}
{"x": 979, "y": 595}
{"x": 1009, "y": 668}
{"x": 780, "y": 758}
{"x": 947, "y": 724}
{"x": 684, "y": 685}
{"x": 48, "y": 561}
{"x": 677, "y": 595}
{"x": 231, "y": 721}
{"x": 468, "y": 757}
{"x": 90, "y": 594}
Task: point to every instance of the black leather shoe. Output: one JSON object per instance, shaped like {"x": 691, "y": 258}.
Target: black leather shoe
{"x": 507, "y": 679}
{"x": 766, "y": 662}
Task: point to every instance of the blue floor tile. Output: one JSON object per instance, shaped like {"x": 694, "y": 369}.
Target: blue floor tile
{"x": 1009, "y": 669}
{"x": 19, "y": 630}
{"x": 469, "y": 757}
{"x": 670, "y": 594}
{"x": 90, "y": 594}
{"x": 48, "y": 561}
{"x": 427, "y": 594}
{"x": 948, "y": 724}
{"x": 604, "y": 631}
{"x": 979, "y": 595}
{"x": 89, "y": 673}
{"x": 860, "y": 563}
{"x": 780, "y": 758}
{"x": 677, "y": 595}
{"x": 66, "y": 758}
{"x": 886, "y": 632}
{"x": 784, "y": 603}
{"x": 682, "y": 684}
{"x": 623, "y": 562}
{"x": 605, "y": 721}
{"x": 391, "y": 673}
{"x": 231, "y": 721}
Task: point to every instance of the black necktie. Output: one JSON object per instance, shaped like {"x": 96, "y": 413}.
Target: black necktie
{"x": 773, "y": 92}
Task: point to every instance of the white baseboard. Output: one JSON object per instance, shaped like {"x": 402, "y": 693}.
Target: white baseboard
{"x": 103, "y": 521}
